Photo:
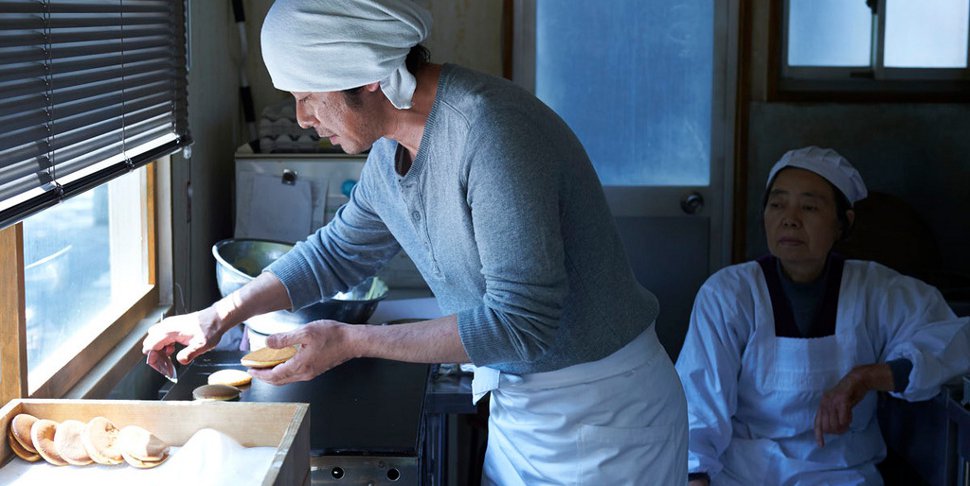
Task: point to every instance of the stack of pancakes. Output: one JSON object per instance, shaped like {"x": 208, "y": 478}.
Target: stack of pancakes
{"x": 77, "y": 443}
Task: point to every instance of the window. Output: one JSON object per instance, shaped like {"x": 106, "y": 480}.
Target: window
{"x": 87, "y": 276}
{"x": 874, "y": 45}
{"x": 91, "y": 93}
{"x": 86, "y": 262}
{"x": 634, "y": 82}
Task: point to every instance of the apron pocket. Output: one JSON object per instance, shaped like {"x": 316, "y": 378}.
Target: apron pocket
{"x": 617, "y": 455}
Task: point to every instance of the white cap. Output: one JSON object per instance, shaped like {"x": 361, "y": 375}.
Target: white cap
{"x": 313, "y": 45}
{"x": 828, "y": 164}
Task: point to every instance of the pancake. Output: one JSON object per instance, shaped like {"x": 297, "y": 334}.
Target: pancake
{"x": 140, "y": 444}
{"x": 231, "y": 377}
{"x": 133, "y": 462}
{"x": 67, "y": 441}
{"x": 20, "y": 428}
{"x": 268, "y": 357}
{"x": 210, "y": 393}
{"x": 42, "y": 435}
{"x": 100, "y": 439}
{"x": 20, "y": 450}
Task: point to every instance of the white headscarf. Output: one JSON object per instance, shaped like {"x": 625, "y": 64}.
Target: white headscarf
{"x": 828, "y": 164}
{"x": 333, "y": 45}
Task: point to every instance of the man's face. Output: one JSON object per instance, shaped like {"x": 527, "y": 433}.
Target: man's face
{"x": 352, "y": 127}
{"x": 800, "y": 217}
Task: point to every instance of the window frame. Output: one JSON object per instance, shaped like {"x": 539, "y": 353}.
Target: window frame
{"x": 95, "y": 367}
{"x": 873, "y": 83}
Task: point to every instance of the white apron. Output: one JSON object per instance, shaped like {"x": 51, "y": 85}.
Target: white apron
{"x": 754, "y": 393}
{"x": 620, "y": 420}
{"x": 792, "y": 375}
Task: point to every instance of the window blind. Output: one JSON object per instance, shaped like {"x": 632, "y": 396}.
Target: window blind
{"x": 89, "y": 90}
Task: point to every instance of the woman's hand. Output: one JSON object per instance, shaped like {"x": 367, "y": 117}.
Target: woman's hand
{"x": 835, "y": 410}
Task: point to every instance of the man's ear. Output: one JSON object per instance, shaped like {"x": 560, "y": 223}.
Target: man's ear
{"x": 850, "y": 217}
{"x": 373, "y": 87}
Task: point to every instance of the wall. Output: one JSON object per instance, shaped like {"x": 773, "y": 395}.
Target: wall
{"x": 214, "y": 122}
{"x": 918, "y": 152}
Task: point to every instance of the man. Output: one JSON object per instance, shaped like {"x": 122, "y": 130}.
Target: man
{"x": 495, "y": 200}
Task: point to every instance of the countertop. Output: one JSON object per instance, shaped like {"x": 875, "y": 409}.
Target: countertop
{"x": 364, "y": 406}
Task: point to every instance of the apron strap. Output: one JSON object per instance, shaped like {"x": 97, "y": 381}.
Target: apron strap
{"x": 485, "y": 380}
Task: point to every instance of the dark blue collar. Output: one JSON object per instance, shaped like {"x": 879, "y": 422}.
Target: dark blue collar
{"x": 824, "y": 324}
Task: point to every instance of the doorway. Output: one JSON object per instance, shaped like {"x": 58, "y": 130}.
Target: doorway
{"x": 649, "y": 88}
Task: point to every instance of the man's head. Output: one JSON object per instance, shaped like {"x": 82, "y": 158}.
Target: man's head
{"x": 336, "y": 45}
{"x": 351, "y": 118}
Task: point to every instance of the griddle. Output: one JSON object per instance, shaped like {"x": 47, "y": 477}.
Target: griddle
{"x": 362, "y": 407}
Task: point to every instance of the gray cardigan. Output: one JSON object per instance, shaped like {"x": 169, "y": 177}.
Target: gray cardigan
{"x": 504, "y": 216}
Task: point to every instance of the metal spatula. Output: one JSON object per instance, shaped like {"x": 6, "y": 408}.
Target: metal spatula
{"x": 162, "y": 363}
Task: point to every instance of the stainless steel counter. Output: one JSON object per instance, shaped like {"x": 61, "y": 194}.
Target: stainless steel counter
{"x": 366, "y": 415}
{"x": 372, "y": 422}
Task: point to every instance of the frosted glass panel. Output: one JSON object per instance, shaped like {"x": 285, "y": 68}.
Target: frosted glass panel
{"x": 927, "y": 33}
{"x": 829, "y": 33}
{"x": 634, "y": 81}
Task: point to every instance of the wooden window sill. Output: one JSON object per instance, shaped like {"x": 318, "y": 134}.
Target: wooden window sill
{"x": 106, "y": 374}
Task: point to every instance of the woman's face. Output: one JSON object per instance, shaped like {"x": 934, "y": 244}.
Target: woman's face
{"x": 801, "y": 220}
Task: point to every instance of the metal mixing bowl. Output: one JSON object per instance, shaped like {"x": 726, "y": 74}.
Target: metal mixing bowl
{"x": 239, "y": 261}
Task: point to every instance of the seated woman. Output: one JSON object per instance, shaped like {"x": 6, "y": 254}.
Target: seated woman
{"x": 783, "y": 352}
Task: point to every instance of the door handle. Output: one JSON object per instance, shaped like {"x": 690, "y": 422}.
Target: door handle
{"x": 692, "y": 202}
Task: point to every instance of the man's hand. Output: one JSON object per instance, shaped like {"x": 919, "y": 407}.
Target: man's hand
{"x": 323, "y": 345}
{"x": 834, "y": 413}
{"x": 326, "y": 344}
{"x": 198, "y": 332}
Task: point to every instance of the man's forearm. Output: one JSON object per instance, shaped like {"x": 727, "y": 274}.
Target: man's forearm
{"x": 263, "y": 294}
{"x": 434, "y": 341}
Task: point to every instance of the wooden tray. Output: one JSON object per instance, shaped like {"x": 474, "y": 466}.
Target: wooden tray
{"x": 285, "y": 426}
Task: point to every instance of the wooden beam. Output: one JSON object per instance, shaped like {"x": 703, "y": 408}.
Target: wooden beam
{"x": 508, "y": 37}
{"x": 743, "y": 99}
{"x": 13, "y": 323}
{"x": 107, "y": 373}
{"x": 151, "y": 215}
